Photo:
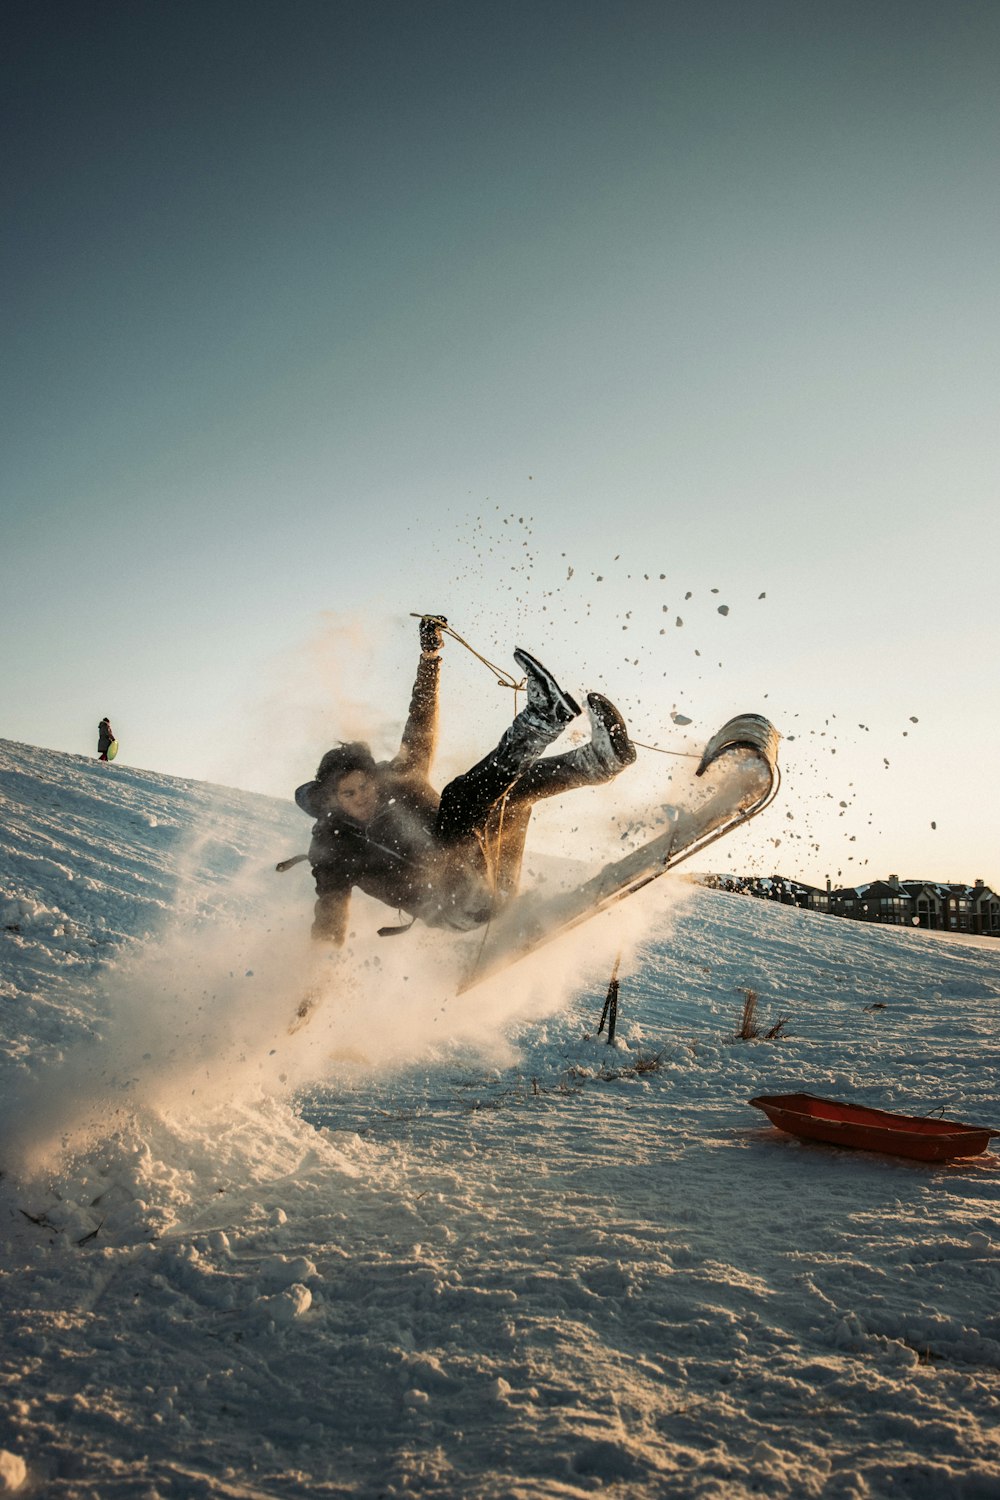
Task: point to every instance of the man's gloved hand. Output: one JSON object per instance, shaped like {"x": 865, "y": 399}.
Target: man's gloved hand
{"x": 431, "y": 636}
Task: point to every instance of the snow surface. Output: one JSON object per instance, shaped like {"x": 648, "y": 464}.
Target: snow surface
{"x": 431, "y": 1246}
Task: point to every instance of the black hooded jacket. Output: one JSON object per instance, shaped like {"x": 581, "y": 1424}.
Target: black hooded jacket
{"x": 395, "y": 857}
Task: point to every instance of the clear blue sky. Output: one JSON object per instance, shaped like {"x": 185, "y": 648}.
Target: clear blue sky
{"x": 319, "y": 313}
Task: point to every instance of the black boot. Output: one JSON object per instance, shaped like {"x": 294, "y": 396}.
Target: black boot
{"x": 610, "y": 749}
{"x": 548, "y": 704}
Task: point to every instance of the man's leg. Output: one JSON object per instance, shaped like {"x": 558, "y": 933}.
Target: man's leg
{"x": 466, "y": 801}
{"x": 609, "y": 752}
{"x": 507, "y": 820}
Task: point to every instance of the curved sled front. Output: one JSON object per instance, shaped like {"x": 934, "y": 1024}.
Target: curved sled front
{"x": 743, "y": 759}
{"x": 745, "y": 732}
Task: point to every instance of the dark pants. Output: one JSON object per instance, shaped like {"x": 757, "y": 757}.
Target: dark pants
{"x": 494, "y": 807}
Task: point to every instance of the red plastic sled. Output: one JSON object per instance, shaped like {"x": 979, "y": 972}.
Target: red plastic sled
{"x": 927, "y": 1138}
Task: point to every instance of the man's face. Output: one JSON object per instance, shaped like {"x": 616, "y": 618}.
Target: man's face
{"x": 356, "y": 795}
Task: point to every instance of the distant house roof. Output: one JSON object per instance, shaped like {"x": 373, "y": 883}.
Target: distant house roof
{"x": 910, "y": 890}
{"x": 874, "y": 890}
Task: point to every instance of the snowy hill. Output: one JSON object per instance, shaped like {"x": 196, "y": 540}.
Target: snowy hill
{"x": 94, "y": 855}
{"x": 440, "y": 1247}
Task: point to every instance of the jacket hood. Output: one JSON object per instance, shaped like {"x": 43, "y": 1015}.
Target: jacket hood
{"x": 306, "y": 797}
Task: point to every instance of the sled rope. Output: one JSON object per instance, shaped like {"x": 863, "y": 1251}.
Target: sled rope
{"x": 508, "y": 680}
{"x": 685, "y": 754}
{"x": 503, "y": 677}
{"x": 493, "y": 872}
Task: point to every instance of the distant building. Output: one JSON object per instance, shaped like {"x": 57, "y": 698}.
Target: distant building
{"x": 927, "y": 904}
{"x": 985, "y": 910}
{"x": 933, "y": 905}
{"x": 883, "y": 901}
{"x": 773, "y": 888}
{"x": 955, "y": 908}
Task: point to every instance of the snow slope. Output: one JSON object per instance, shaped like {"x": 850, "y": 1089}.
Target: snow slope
{"x": 432, "y": 1247}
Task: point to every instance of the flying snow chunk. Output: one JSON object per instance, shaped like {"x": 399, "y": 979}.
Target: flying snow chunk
{"x": 723, "y": 609}
{"x": 13, "y": 1471}
{"x": 680, "y": 718}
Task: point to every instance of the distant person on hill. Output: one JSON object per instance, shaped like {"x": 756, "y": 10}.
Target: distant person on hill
{"x": 105, "y": 738}
{"x": 448, "y": 859}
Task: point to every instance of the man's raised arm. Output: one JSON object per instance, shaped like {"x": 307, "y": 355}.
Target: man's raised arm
{"x": 420, "y": 733}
